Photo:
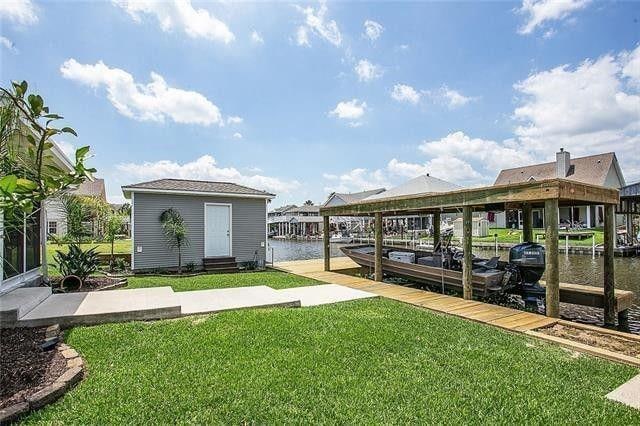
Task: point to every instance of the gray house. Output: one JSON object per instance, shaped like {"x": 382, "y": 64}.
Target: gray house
{"x": 227, "y": 223}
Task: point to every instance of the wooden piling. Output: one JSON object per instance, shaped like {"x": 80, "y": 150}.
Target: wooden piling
{"x": 527, "y": 219}
{"x": 378, "y": 252}
{"x": 467, "y": 263}
{"x": 325, "y": 243}
{"x": 436, "y": 228}
{"x": 609, "y": 274}
{"x": 551, "y": 249}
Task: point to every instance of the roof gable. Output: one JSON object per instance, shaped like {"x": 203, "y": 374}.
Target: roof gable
{"x": 423, "y": 184}
{"x": 593, "y": 170}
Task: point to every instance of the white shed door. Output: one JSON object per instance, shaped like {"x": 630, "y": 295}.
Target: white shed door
{"x": 217, "y": 230}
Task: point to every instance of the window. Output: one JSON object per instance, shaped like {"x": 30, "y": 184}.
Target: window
{"x": 52, "y": 228}
{"x": 21, "y": 245}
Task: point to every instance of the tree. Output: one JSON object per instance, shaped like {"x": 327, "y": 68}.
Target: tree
{"x": 175, "y": 231}
{"x": 308, "y": 203}
{"x": 78, "y": 213}
{"x": 125, "y": 209}
{"x": 112, "y": 229}
{"x": 28, "y": 178}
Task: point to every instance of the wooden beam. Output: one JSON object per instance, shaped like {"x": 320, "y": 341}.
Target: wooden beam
{"x": 378, "y": 243}
{"x": 436, "y": 228}
{"x": 326, "y": 244}
{"x": 609, "y": 274}
{"x": 527, "y": 223}
{"x": 467, "y": 263}
{"x": 527, "y": 192}
{"x": 552, "y": 268}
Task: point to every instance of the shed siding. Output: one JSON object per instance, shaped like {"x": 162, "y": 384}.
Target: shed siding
{"x": 248, "y": 228}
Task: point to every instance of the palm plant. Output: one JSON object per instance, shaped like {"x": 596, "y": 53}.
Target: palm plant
{"x": 175, "y": 232}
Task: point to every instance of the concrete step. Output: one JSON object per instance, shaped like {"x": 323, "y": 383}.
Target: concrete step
{"x": 19, "y": 302}
{"x": 99, "y": 307}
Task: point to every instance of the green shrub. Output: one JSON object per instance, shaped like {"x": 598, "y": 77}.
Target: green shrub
{"x": 76, "y": 261}
{"x": 119, "y": 264}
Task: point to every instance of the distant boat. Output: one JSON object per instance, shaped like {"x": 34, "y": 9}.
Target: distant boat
{"x": 339, "y": 238}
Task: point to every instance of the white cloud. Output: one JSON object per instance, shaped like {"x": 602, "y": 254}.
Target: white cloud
{"x": 154, "y": 101}
{"x": 256, "y": 37}
{"x": 8, "y": 44}
{"x": 21, "y": 12}
{"x": 302, "y": 37}
{"x": 237, "y": 135}
{"x": 372, "y": 30}
{"x": 588, "y": 109}
{"x": 452, "y": 98}
{"x": 631, "y": 65}
{"x": 196, "y": 23}
{"x": 350, "y": 110}
{"x": 538, "y": 12}
{"x": 367, "y": 71}
{"x": 316, "y": 22}
{"x": 203, "y": 168}
{"x": 234, "y": 119}
{"x": 405, "y": 93}
{"x": 355, "y": 180}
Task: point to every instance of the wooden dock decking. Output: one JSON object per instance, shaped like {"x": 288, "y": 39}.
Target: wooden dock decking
{"x": 510, "y": 319}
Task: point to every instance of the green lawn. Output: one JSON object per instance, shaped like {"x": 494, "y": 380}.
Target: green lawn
{"x": 506, "y": 235}
{"x": 119, "y": 246}
{"x": 374, "y": 361}
{"x": 273, "y": 279}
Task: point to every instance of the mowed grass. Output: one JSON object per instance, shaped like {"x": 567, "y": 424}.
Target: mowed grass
{"x": 273, "y": 279}
{"x": 506, "y": 235}
{"x": 119, "y": 246}
{"x": 373, "y": 361}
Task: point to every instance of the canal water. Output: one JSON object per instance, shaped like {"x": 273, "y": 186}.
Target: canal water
{"x": 574, "y": 268}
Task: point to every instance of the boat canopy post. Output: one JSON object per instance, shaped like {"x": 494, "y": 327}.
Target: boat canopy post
{"x": 378, "y": 252}
{"x": 609, "y": 275}
{"x": 436, "y": 228}
{"x": 527, "y": 219}
{"x": 467, "y": 262}
{"x": 325, "y": 243}
{"x": 551, "y": 248}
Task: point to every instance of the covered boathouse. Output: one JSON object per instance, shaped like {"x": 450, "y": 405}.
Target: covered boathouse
{"x": 550, "y": 195}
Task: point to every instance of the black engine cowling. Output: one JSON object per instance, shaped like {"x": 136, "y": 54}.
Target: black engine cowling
{"x": 527, "y": 261}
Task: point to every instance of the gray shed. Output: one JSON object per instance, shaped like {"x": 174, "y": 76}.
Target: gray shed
{"x": 227, "y": 223}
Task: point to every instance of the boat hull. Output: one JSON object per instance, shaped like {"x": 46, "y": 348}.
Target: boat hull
{"x": 483, "y": 283}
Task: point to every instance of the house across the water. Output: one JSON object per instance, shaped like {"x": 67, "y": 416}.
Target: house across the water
{"x": 599, "y": 170}
{"x": 291, "y": 220}
{"x": 226, "y": 223}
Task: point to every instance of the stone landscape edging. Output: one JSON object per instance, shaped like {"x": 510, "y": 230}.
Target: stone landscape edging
{"x": 73, "y": 373}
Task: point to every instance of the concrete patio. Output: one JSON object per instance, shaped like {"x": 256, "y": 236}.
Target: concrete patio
{"x": 34, "y": 307}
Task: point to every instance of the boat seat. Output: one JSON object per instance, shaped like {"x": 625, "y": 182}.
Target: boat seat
{"x": 434, "y": 261}
{"x": 488, "y": 264}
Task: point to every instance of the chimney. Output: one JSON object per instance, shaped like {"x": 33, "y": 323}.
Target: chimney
{"x": 563, "y": 162}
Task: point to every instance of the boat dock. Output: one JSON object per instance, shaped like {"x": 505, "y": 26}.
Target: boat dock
{"x": 548, "y": 194}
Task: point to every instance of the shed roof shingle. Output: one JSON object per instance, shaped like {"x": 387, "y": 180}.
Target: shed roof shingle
{"x": 197, "y": 186}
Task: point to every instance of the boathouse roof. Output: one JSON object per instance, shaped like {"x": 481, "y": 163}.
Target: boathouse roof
{"x": 423, "y": 184}
{"x": 337, "y": 198}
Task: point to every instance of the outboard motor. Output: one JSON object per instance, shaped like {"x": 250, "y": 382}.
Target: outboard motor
{"x": 527, "y": 262}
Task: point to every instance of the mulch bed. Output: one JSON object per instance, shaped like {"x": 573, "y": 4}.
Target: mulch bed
{"x": 594, "y": 338}
{"x": 24, "y": 367}
{"x": 90, "y": 284}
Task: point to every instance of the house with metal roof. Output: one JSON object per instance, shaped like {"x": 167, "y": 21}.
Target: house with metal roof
{"x": 226, "y": 224}
{"x": 600, "y": 170}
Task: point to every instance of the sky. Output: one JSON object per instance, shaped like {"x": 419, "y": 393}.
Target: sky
{"x": 303, "y": 99}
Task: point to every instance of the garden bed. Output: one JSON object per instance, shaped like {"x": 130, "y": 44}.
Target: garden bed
{"x": 24, "y": 367}
{"x": 35, "y": 370}
{"x": 93, "y": 283}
